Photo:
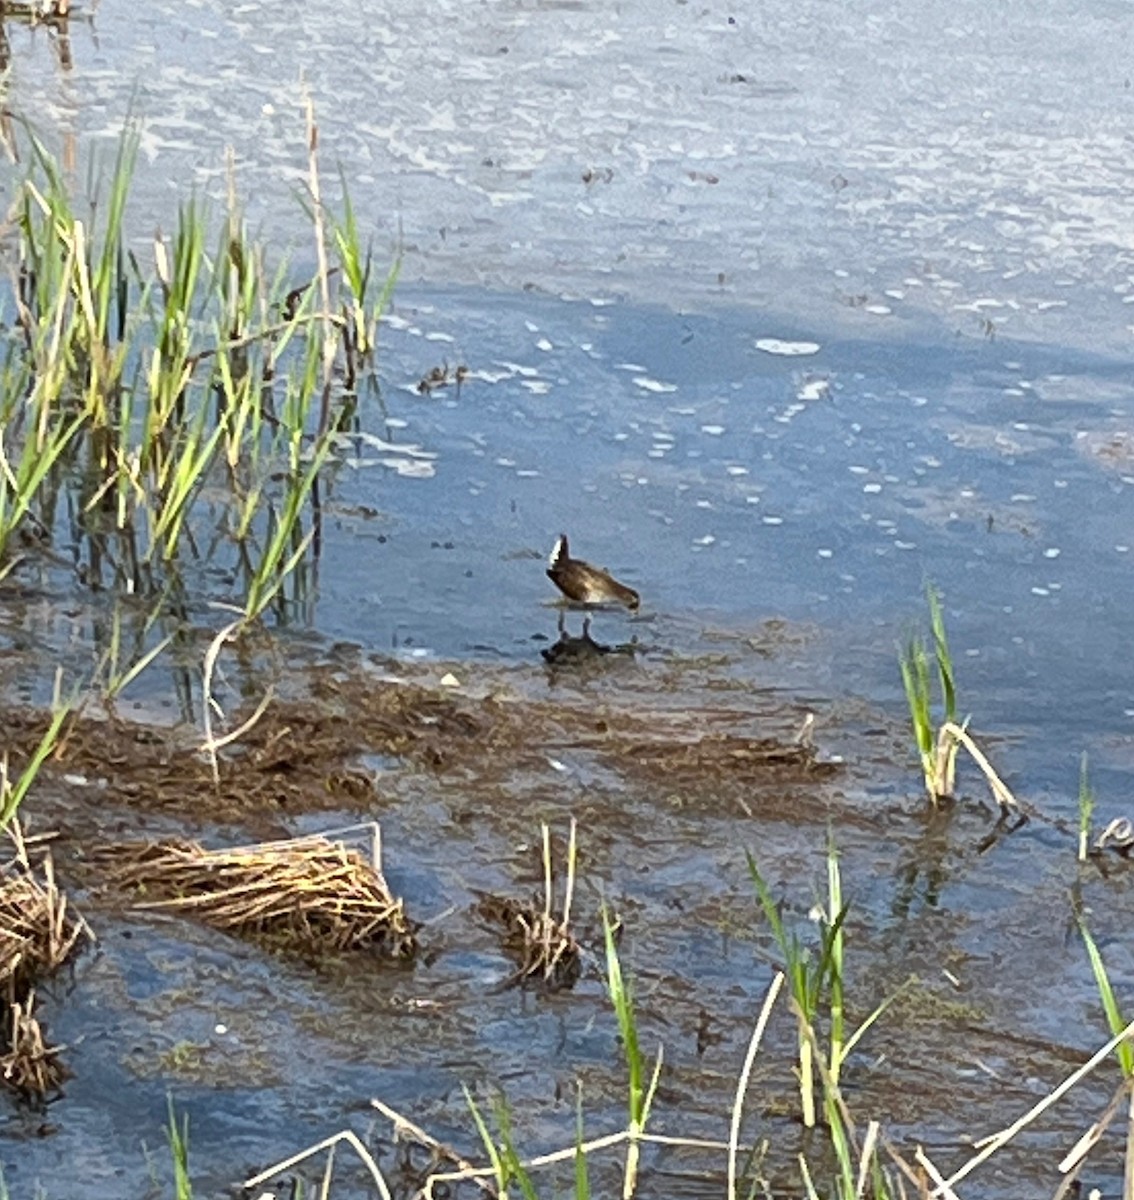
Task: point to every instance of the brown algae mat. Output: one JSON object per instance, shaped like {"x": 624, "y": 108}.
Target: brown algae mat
{"x": 305, "y": 752}
{"x": 139, "y": 814}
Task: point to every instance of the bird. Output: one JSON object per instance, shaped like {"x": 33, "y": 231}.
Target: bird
{"x": 584, "y": 584}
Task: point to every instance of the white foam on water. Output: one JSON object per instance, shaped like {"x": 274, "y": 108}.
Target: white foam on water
{"x": 648, "y": 384}
{"x": 814, "y": 389}
{"x": 787, "y": 349}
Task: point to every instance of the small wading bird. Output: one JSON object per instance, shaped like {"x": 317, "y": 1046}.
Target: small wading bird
{"x": 584, "y": 584}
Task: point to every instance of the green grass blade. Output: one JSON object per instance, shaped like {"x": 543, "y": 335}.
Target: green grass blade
{"x": 582, "y": 1176}
{"x": 768, "y": 904}
{"x": 914, "y": 666}
{"x": 941, "y": 652}
{"x": 178, "y": 1137}
{"x": 499, "y": 1169}
{"x": 1114, "y": 1018}
{"x": 509, "y": 1155}
{"x": 621, "y": 999}
{"x": 12, "y": 795}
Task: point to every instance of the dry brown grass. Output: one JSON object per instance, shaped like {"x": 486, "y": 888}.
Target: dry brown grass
{"x": 311, "y": 895}
{"x": 30, "y": 1066}
{"x": 37, "y": 935}
{"x": 545, "y": 949}
{"x": 544, "y": 944}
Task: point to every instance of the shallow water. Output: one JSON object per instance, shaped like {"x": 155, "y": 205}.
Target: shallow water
{"x": 779, "y": 314}
{"x": 974, "y": 160}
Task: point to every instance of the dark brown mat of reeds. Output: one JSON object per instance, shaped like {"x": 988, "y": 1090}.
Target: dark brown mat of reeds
{"x": 548, "y": 954}
{"x": 310, "y": 895}
{"x": 544, "y": 947}
{"x": 37, "y": 935}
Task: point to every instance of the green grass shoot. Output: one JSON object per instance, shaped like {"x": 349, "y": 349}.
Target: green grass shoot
{"x": 816, "y": 978}
{"x": 177, "y": 1134}
{"x": 502, "y": 1155}
{"x": 941, "y": 654}
{"x": 806, "y": 979}
{"x": 13, "y": 792}
{"x": 937, "y": 747}
{"x": 1116, "y": 1022}
{"x": 163, "y": 399}
{"x": 640, "y": 1091}
{"x": 582, "y": 1175}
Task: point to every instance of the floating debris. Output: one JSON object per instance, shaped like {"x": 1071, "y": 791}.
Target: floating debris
{"x": 547, "y": 951}
{"x": 442, "y": 377}
{"x": 1117, "y": 836}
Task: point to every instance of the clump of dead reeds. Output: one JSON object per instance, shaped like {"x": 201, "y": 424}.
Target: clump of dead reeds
{"x": 311, "y": 895}
{"x": 548, "y": 953}
{"x": 30, "y": 1066}
{"x": 37, "y": 936}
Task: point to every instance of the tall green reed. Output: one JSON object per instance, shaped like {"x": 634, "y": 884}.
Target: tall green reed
{"x": 814, "y": 980}
{"x": 13, "y": 791}
{"x": 1116, "y": 1022}
{"x": 940, "y": 739}
{"x": 1123, "y": 1052}
{"x": 816, "y": 977}
{"x": 641, "y": 1088}
{"x": 936, "y": 748}
{"x": 146, "y": 386}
